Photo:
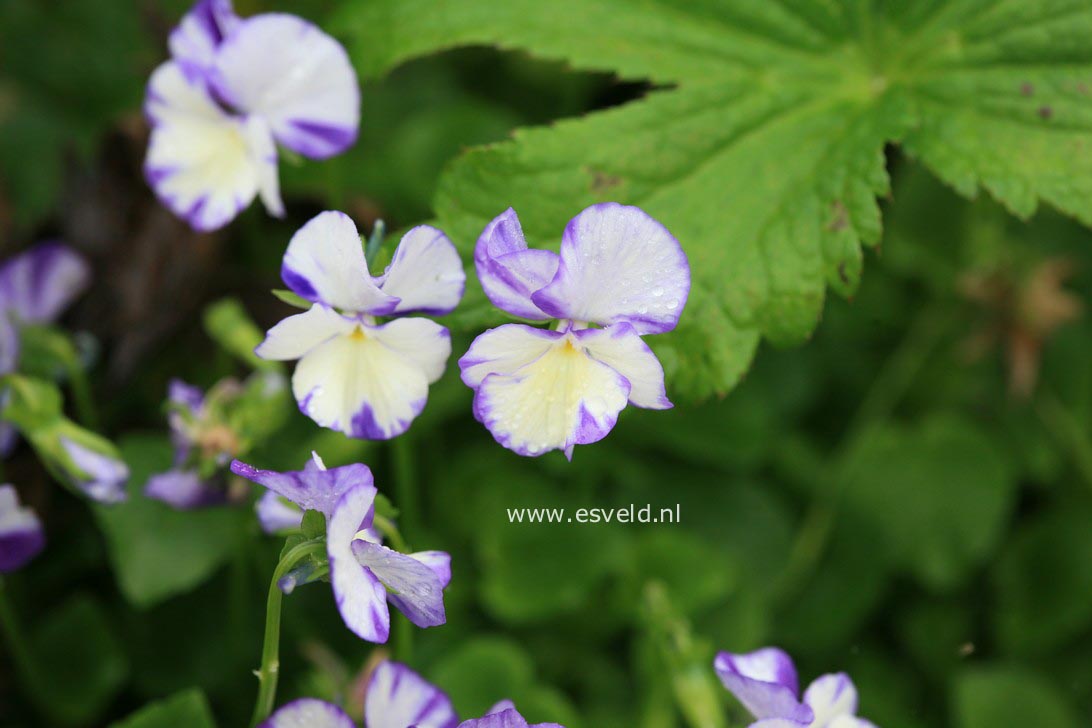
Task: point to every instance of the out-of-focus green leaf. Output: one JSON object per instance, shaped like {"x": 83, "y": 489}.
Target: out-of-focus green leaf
{"x": 184, "y": 710}
{"x": 1043, "y": 581}
{"x": 936, "y": 496}
{"x": 155, "y": 550}
{"x": 230, "y": 326}
{"x": 82, "y": 663}
{"x": 990, "y": 697}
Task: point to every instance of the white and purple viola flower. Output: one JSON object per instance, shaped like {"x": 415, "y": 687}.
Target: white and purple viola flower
{"x": 21, "y": 534}
{"x": 97, "y": 473}
{"x": 235, "y": 88}
{"x": 365, "y": 574}
{"x": 396, "y": 697}
{"x": 504, "y": 715}
{"x": 35, "y": 288}
{"x": 765, "y": 682}
{"x": 620, "y": 275}
{"x": 357, "y": 374}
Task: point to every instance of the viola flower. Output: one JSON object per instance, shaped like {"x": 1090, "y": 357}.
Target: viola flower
{"x": 504, "y": 715}
{"x": 356, "y": 374}
{"x": 183, "y": 486}
{"x": 765, "y": 682}
{"x": 365, "y": 575}
{"x": 98, "y": 474}
{"x": 396, "y": 697}
{"x": 234, "y": 89}
{"x": 21, "y": 535}
{"x": 620, "y": 275}
{"x": 35, "y": 288}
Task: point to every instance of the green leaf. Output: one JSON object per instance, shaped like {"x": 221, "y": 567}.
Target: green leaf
{"x": 998, "y": 696}
{"x": 762, "y": 149}
{"x": 314, "y": 524}
{"x": 935, "y": 496}
{"x": 82, "y": 661}
{"x": 230, "y": 326}
{"x": 292, "y": 299}
{"x": 189, "y": 709}
{"x": 155, "y": 550}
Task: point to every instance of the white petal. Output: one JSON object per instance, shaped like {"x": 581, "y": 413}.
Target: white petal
{"x": 298, "y": 334}
{"x": 309, "y": 713}
{"x": 300, "y": 79}
{"x": 426, "y": 273}
{"x": 357, "y": 385}
{"x": 438, "y": 561}
{"x": 38, "y": 285}
{"x": 620, "y": 347}
{"x": 425, "y": 343}
{"x": 510, "y": 272}
{"x": 325, "y": 263}
{"x": 618, "y": 264}
{"x": 561, "y": 399}
{"x": 197, "y": 37}
{"x": 398, "y": 697}
{"x": 361, "y": 599}
{"x": 411, "y": 585}
{"x": 504, "y": 350}
{"x": 830, "y": 696}
{"x": 204, "y": 164}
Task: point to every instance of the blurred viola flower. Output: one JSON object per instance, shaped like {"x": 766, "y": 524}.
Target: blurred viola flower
{"x": 365, "y": 575}
{"x": 765, "y": 682}
{"x": 99, "y": 474}
{"x": 620, "y": 274}
{"x": 356, "y": 374}
{"x": 35, "y": 288}
{"x": 504, "y": 715}
{"x": 234, "y": 89}
{"x": 21, "y": 534}
{"x": 396, "y": 697}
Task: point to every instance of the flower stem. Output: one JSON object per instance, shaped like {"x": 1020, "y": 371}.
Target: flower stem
{"x": 270, "y": 668}
{"x": 81, "y": 391}
{"x": 405, "y": 484}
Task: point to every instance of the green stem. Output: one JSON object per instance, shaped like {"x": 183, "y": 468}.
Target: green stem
{"x": 270, "y": 668}
{"x": 1068, "y": 432}
{"x": 81, "y": 394}
{"x": 405, "y": 484}
{"x": 887, "y": 389}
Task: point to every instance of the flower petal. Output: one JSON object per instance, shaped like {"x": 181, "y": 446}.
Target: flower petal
{"x": 309, "y": 713}
{"x": 426, "y": 273}
{"x": 183, "y": 489}
{"x": 765, "y": 682}
{"x": 561, "y": 399}
{"x": 618, "y": 264}
{"x": 504, "y": 715}
{"x": 9, "y": 346}
{"x": 398, "y": 697}
{"x": 411, "y": 585}
{"x": 510, "y": 272}
{"x": 39, "y": 284}
{"x": 621, "y": 348}
{"x": 21, "y": 534}
{"x": 204, "y": 164}
{"x": 504, "y": 350}
{"x": 275, "y": 514}
{"x": 197, "y": 37}
{"x": 359, "y": 385}
{"x": 296, "y": 335}
{"x": 425, "y": 343}
{"x": 830, "y": 696}
{"x": 102, "y": 477}
{"x": 313, "y": 488}
{"x": 325, "y": 264}
{"x": 291, "y": 73}
{"x": 360, "y": 598}
{"x": 438, "y": 561}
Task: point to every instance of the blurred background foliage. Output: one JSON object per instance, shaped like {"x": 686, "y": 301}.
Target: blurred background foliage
{"x": 907, "y": 497}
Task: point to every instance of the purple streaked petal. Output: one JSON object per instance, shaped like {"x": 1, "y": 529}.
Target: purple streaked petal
{"x": 196, "y": 38}
{"x": 8, "y": 437}
{"x": 186, "y": 396}
{"x": 360, "y": 597}
{"x": 325, "y": 264}
{"x": 504, "y": 350}
{"x": 510, "y": 272}
{"x": 21, "y": 534}
{"x": 204, "y": 164}
{"x": 184, "y": 490}
{"x": 308, "y": 713}
{"x": 296, "y": 335}
{"x": 100, "y": 476}
{"x": 621, "y": 348}
{"x": 830, "y": 696}
{"x": 426, "y": 273}
{"x": 37, "y": 285}
{"x": 504, "y": 715}
{"x": 561, "y": 399}
{"x": 411, "y": 586}
{"x": 398, "y": 697}
{"x": 438, "y": 561}
{"x": 298, "y": 78}
{"x": 276, "y": 514}
{"x": 313, "y": 488}
{"x": 618, "y": 264}
{"x": 9, "y": 344}
{"x": 764, "y": 681}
